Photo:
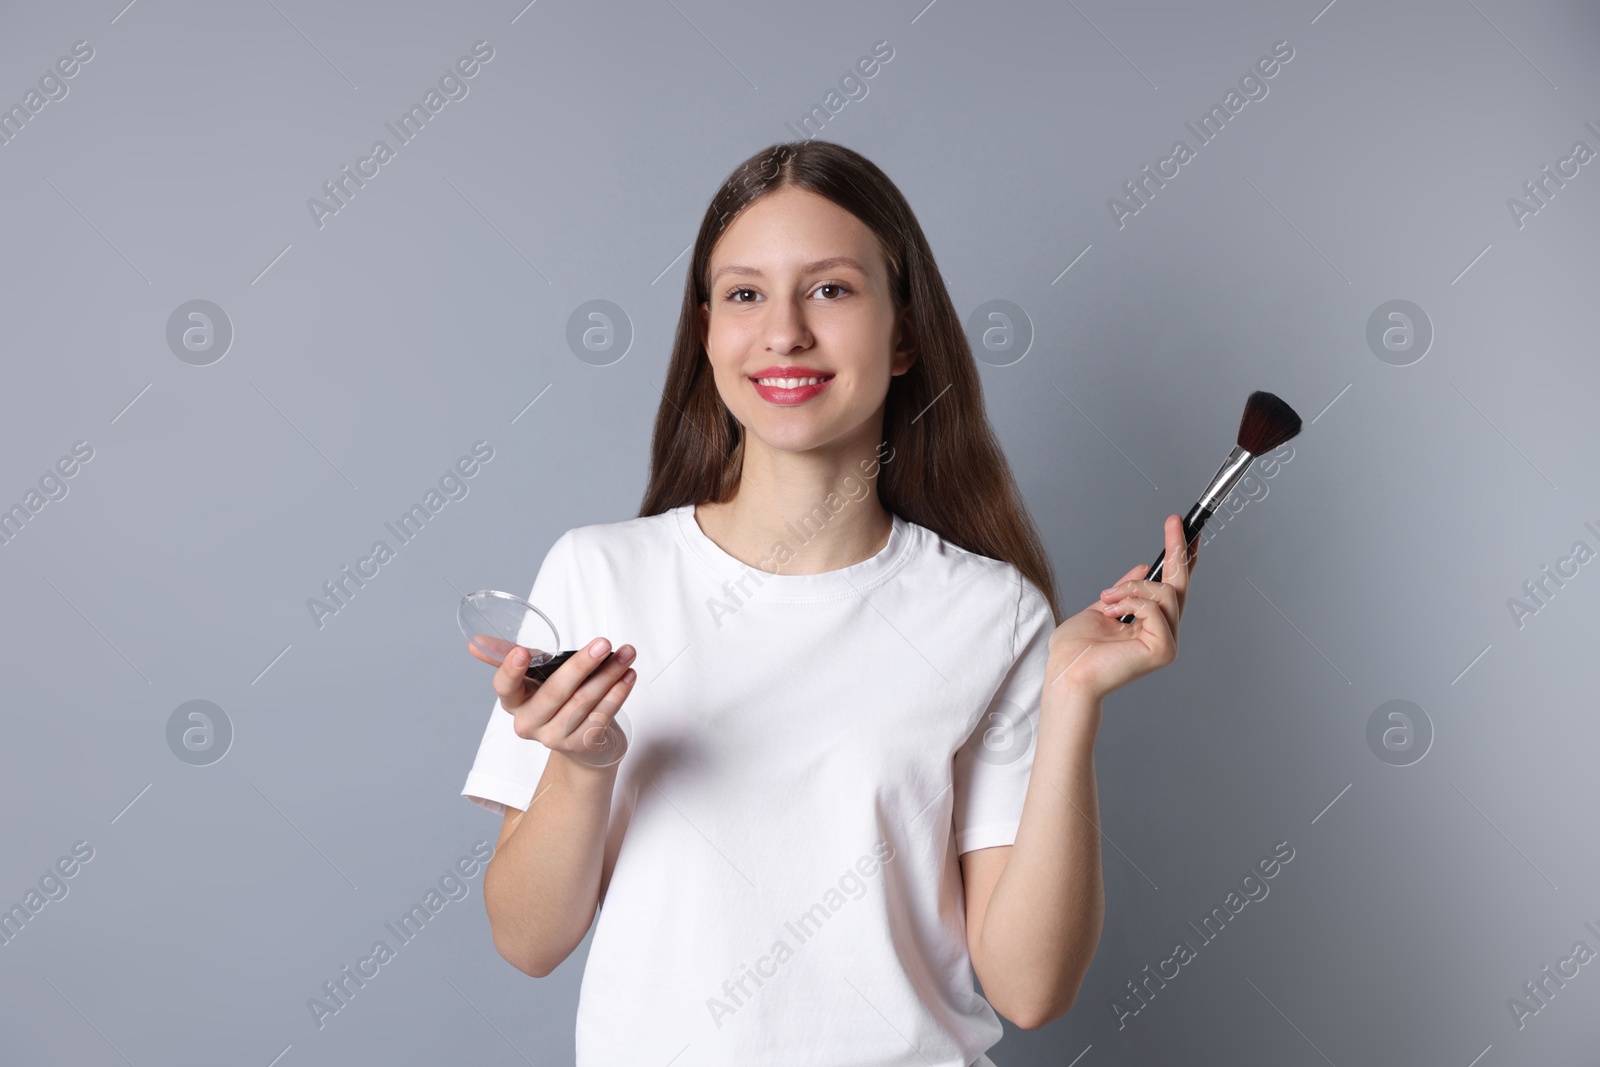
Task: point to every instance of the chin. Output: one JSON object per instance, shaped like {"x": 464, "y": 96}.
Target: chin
{"x": 790, "y": 442}
{"x": 797, "y": 438}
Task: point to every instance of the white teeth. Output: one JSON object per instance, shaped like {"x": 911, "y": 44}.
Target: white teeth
{"x": 788, "y": 383}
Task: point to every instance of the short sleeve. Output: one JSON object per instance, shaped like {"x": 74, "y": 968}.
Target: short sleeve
{"x": 992, "y": 768}
{"x": 508, "y": 767}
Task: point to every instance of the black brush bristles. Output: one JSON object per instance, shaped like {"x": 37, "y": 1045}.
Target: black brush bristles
{"x": 1267, "y": 423}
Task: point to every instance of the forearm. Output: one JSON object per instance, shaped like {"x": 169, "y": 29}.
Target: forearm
{"x": 1043, "y": 920}
{"x": 542, "y": 887}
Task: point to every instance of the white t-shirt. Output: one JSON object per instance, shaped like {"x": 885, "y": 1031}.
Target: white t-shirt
{"x": 808, "y": 755}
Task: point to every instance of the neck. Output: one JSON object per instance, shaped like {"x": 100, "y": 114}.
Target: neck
{"x": 802, "y": 512}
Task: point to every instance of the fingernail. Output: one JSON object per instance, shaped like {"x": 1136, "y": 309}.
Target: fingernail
{"x": 599, "y": 647}
{"x": 519, "y": 657}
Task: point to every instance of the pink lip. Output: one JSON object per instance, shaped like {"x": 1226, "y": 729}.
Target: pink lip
{"x": 800, "y": 395}
{"x": 789, "y": 370}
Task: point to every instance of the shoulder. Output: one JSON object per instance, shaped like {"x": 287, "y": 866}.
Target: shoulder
{"x": 616, "y": 540}
{"x": 1015, "y": 601}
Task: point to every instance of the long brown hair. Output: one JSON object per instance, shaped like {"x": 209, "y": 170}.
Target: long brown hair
{"x": 948, "y": 473}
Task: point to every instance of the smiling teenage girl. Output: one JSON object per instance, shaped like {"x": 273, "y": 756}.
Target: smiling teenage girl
{"x": 849, "y": 662}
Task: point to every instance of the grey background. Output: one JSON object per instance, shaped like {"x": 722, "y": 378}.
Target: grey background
{"x": 369, "y": 354}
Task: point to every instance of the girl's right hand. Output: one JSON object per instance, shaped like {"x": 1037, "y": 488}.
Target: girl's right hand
{"x": 572, "y": 711}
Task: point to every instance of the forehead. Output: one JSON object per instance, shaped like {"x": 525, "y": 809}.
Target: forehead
{"x": 793, "y": 230}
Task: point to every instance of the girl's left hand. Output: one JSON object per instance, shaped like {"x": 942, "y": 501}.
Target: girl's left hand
{"x": 1093, "y": 653}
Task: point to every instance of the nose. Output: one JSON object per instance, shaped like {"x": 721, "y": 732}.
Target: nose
{"x": 785, "y": 326}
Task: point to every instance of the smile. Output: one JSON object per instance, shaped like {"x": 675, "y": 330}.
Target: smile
{"x": 788, "y": 383}
{"x": 789, "y": 391}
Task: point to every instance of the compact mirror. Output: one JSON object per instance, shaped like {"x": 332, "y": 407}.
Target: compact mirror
{"x": 494, "y": 623}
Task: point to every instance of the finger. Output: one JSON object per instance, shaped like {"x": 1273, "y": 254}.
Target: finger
{"x": 1168, "y": 598}
{"x": 1188, "y": 578}
{"x": 565, "y": 679}
{"x": 570, "y": 717}
{"x": 545, "y": 718}
{"x": 1176, "y": 571}
{"x": 594, "y": 724}
{"x": 1144, "y": 587}
{"x": 1161, "y": 593}
{"x": 1147, "y": 612}
{"x": 1134, "y": 573}
{"x": 1183, "y": 569}
{"x": 511, "y": 683}
{"x": 477, "y": 653}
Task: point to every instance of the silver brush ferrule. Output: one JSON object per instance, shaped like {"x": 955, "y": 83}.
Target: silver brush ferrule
{"x": 1226, "y": 478}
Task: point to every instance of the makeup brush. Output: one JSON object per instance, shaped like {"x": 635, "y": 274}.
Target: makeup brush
{"x": 1267, "y": 423}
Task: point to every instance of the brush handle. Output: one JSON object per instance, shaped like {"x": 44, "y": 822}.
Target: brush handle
{"x": 1192, "y": 523}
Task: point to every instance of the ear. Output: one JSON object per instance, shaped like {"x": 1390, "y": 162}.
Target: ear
{"x": 703, "y": 322}
{"x": 905, "y": 344}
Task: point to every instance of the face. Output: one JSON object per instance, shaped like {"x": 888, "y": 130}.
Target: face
{"x": 797, "y": 281}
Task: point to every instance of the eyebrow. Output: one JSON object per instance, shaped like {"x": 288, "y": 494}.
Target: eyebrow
{"x": 809, "y": 268}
